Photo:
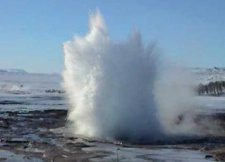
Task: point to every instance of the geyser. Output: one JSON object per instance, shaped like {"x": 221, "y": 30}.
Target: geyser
{"x": 111, "y": 87}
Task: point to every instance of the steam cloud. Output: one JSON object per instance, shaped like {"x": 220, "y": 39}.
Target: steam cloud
{"x": 119, "y": 91}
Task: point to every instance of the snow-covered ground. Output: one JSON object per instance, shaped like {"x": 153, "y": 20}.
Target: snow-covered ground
{"x": 125, "y": 154}
{"x": 8, "y": 156}
{"x": 28, "y": 83}
{"x": 20, "y": 81}
{"x": 26, "y": 91}
{"x": 206, "y": 75}
{"x": 20, "y": 90}
{"x": 211, "y": 104}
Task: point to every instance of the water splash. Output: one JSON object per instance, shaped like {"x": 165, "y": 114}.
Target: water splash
{"x": 114, "y": 88}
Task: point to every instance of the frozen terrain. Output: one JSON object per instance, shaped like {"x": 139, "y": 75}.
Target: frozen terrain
{"x": 33, "y": 127}
{"x": 25, "y": 91}
{"x": 206, "y": 75}
{"x": 22, "y": 90}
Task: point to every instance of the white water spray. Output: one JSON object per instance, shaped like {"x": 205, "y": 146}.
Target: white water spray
{"x": 114, "y": 88}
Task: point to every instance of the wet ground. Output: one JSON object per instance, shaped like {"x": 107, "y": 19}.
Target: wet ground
{"x": 33, "y": 128}
{"x": 42, "y": 136}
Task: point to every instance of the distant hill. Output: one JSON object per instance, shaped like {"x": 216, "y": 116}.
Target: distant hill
{"x": 203, "y": 75}
{"x": 12, "y": 71}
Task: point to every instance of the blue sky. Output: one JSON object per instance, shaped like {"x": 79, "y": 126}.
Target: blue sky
{"x": 190, "y": 32}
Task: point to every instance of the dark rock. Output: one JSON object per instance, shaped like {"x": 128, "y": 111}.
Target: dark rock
{"x": 4, "y": 123}
{"x": 54, "y": 91}
{"x": 208, "y": 156}
{"x": 17, "y": 140}
{"x": 78, "y": 144}
{"x": 3, "y": 159}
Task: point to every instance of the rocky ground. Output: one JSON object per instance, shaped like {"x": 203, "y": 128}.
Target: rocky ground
{"x": 40, "y": 136}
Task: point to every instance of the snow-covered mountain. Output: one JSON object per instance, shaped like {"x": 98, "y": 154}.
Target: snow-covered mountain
{"x": 12, "y": 71}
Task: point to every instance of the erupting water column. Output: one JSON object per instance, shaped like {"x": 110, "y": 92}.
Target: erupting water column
{"x": 110, "y": 85}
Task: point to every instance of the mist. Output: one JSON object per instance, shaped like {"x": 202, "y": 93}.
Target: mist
{"x": 120, "y": 90}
